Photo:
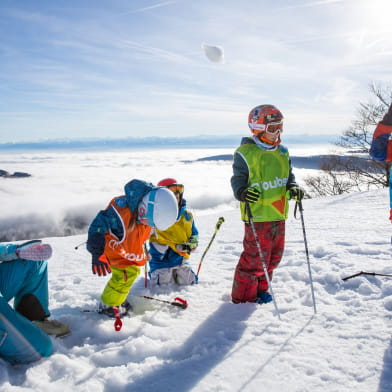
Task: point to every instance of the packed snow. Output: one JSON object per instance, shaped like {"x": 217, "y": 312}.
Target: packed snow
{"x": 215, "y": 345}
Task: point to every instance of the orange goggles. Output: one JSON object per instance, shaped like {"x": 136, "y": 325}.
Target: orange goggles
{"x": 176, "y": 188}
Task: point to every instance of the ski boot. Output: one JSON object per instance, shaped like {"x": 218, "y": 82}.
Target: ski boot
{"x": 53, "y": 327}
{"x": 263, "y": 297}
{"x": 124, "y": 309}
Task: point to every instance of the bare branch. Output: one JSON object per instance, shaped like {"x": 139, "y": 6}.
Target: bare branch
{"x": 356, "y": 171}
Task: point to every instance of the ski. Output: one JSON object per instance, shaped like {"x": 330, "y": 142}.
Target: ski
{"x": 99, "y": 311}
{"x": 181, "y": 303}
{"x": 178, "y": 302}
{"x": 117, "y": 316}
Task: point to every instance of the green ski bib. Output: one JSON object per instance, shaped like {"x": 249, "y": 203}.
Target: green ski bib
{"x": 269, "y": 171}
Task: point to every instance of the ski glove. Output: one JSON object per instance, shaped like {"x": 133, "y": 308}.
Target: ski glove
{"x": 192, "y": 243}
{"x": 250, "y": 195}
{"x": 100, "y": 265}
{"x": 296, "y": 193}
{"x": 34, "y": 250}
{"x": 189, "y": 246}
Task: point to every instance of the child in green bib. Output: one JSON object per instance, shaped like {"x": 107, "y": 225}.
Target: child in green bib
{"x": 262, "y": 181}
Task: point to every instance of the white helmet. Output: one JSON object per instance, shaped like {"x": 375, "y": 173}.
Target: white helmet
{"x": 158, "y": 208}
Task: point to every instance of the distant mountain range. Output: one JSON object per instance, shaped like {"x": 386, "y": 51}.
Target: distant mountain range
{"x": 313, "y": 161}
{"x": 209, "y": 141}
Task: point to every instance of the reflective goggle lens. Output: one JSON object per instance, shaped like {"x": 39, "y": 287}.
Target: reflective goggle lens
{"x": 176, "y": 188}
{"x": 274, "y": 127}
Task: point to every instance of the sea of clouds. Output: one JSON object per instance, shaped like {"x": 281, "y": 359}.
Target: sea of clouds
{"x": 66, "y": 189}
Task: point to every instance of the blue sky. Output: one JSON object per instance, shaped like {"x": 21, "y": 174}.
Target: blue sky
{"x": 120, "y": 68}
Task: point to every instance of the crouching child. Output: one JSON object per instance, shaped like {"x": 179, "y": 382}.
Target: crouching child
{"x": 117, "y": 235}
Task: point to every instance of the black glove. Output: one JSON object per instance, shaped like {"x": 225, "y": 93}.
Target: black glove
{"x": 100, "y": 265}
{"x": 296, "y": 193}
{"x": 387, "y": 120}
{"x": 250, "y": 195}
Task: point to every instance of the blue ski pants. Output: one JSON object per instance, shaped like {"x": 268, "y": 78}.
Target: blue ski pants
{"x": 20, "y": 340}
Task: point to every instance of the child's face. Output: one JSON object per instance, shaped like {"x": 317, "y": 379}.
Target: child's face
{"x": 273, "y": 131}
{"x": 271, "y": 137}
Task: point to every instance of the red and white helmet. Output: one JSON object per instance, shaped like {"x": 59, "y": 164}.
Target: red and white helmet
{"x": 266, "y": 119}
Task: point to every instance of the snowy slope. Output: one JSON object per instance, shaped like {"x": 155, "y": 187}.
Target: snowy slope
{"x": 215, "y": 345}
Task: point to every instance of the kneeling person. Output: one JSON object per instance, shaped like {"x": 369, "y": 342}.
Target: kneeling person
{"x": 24, "y": 329}
{"x": 170, "y": 249}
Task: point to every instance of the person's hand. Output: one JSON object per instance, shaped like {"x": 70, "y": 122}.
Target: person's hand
{"x": 296, "y": 193}
{"x": 100, "y": 265}
{"x": 34, "y": 250}
{"x": 250, "y": 194}
{"x": 193, "y": 242}
{"x": 183, "y": 248}
{"x": 189, "y": 246}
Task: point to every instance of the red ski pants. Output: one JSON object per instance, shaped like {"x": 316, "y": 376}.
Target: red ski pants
{"x": 249, "y": 278}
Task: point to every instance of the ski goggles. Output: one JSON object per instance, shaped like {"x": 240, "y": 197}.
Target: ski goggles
{"x": 274, "y": 127}
{"x": 176, "y": 188}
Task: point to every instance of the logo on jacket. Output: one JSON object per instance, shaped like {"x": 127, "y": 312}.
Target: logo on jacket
{"x": 277, "y": 183}
{"x": 118, "y": 248}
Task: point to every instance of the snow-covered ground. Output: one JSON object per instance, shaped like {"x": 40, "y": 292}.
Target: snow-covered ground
{"x": 213, "y": 345}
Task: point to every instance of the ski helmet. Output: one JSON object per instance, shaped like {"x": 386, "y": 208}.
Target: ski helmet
{"x": 266, "y": 119}
{"x": 158, "y": 208}
{"x": 167, "y": 182}
{"x": 174, "y": 186}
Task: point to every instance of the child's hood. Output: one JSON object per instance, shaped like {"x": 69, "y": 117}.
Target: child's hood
{"x": 135, "y": 190}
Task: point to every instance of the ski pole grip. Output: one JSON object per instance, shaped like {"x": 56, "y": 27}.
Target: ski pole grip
{"x": 219, "y": 223}
{"x": 181, "y": 303}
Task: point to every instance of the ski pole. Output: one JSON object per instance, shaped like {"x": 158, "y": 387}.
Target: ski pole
{"x": 181, "y": 303}
{"x": 145, "y": 276}
{"x": 250, "y": 218}
{"x": 365, "y": 273}
{"x": 217, "y": 227}
{"x": 299, "y": 204}
{"x": 77, "y": 246}
{"x": 146, "y": 266}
